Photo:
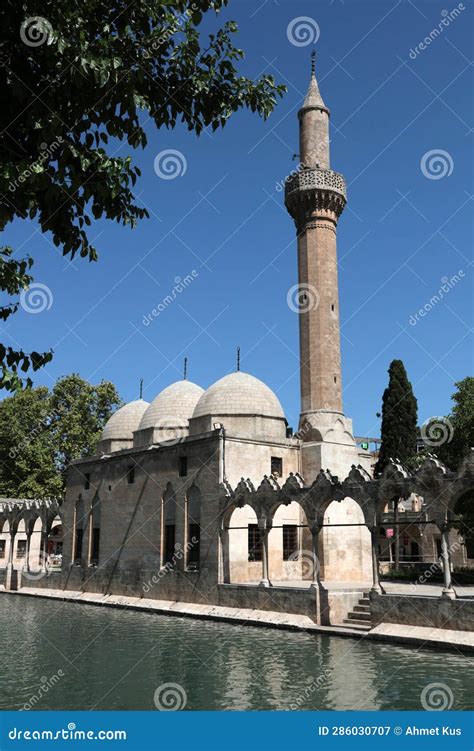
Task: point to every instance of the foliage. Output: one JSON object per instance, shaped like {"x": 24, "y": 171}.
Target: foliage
{"x": 42, "y": 431}
{"x": 461, "y": 425}
{"x": 399, "y": 418}
{"x": 84, "y": 73}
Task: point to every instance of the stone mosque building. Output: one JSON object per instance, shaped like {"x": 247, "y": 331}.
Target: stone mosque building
{"x": 205, "y": 495}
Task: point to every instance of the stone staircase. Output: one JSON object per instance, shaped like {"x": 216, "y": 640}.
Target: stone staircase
{"x": 359, "y": 618}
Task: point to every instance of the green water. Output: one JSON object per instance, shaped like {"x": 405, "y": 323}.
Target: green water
{"x": 112, "y": 659}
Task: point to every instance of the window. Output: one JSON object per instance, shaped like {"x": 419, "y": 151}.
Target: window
{"x": 79, "y": 537}
{"x": 290, "y": 541}
{"x": 95, "y": 546}
{"x": 87, "y": 481}
{"x": 169, "y": 547}
{"x": 193, "y": 551}
{"x": 276, "y": 466}
{"x": 2, "y": 548}
{"x": 255, "y": 543}
{"x": 21, "y": 549}
{"x": 183, "y": 466}
{"x": 131, "y": 475}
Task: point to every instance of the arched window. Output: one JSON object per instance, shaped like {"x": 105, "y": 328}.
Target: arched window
{"x": 193, "y": 528}
{"x": 95, "y": 532}
{"x": 168, "y": 520}
{"x": 78, "y": 531}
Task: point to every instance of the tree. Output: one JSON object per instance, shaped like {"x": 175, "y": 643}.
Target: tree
{"x": 456, "y": 431}
{"x": 84, "y": 73}
{"x": 399, "y": 418}
{"x": 42, "y": 431}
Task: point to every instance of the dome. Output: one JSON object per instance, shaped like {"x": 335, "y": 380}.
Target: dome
{"x": 239, "y": 394}
{"x": 124, "y": 421}
{"x": 173, "y": 406}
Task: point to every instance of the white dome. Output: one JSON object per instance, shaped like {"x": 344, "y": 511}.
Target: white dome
{"x": 124, "y": 421}
{"x": 173, "y": 406}
{"x": 239, "y": 394}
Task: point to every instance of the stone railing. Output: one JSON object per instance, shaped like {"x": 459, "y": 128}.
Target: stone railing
{"x": 315, "y": 179}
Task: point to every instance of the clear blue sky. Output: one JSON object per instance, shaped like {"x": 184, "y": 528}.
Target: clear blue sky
{"x": 400, "y": 234}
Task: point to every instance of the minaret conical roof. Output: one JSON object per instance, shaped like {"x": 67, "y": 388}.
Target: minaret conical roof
{"x": 313, "y": 96}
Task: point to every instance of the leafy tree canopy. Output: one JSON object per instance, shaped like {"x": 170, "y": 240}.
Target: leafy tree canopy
{"x": 42, "y": 431}
{"x": 399, "y": 418}
{"x": 458, "y": 434}
{"x": 81, "y": 74}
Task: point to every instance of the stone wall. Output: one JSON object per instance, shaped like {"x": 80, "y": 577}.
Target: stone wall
{"x": 431, "y": 612}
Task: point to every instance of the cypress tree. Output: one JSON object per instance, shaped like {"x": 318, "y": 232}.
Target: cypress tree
{"x": 399, "y": 418}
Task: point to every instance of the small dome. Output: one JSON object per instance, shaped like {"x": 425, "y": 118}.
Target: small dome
{"x": 239, "y": 394}
{"x": 173, "y": 406}
{"x": 124, "y": 421}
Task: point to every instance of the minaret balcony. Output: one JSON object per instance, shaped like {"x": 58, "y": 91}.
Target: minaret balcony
{"x": 308, "y": 190}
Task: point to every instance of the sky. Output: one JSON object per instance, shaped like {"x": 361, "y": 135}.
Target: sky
{"x": 401, "y": 133}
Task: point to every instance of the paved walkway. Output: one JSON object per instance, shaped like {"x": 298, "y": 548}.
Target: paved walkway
{"x": 402, "y": 588}
{"x": 387, "y": 632}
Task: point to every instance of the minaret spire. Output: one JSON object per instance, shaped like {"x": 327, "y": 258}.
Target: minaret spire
{"x": 314, "y": 126}
{"x": 185, "y": 369}
{"x": 313, "y": 64}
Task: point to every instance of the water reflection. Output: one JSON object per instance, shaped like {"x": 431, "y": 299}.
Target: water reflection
{"x": 112, "y": 659}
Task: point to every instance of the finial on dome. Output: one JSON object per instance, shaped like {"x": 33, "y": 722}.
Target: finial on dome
{"x": 313, "y": 64}
{"x": 141, "y": 387}
{"x": 185, "y": 374}
{"x": 238, "y": 359}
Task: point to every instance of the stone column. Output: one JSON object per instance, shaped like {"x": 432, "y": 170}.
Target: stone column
{"x": 264, "y": 530}
{"x": 448, "y": 590}
{"x": 375, "y": 561}
{"x": 27, "y": 552}
{"x": 315, "y": 530}
{"x": 224, "y": 577}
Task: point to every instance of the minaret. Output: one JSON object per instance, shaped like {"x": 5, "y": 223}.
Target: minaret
{"x": 315, "y": 197}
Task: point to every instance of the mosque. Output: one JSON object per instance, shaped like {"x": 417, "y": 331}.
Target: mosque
{"x": 206, "y": 496}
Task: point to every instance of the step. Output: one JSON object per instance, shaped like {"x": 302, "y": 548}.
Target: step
{"x": 364, "y": 601}
{"x": 361, "y": 609}
{"x": 359, "y": 616}
{"x": 357, "y": 625}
